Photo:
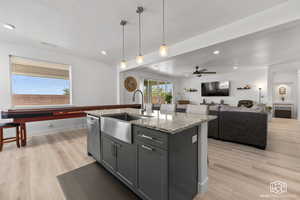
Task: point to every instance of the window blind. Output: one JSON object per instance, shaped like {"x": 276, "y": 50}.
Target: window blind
{"x": 28, "y": 67}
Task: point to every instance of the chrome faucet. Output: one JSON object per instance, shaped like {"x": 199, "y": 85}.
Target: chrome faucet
{"x": 133, "y": 98}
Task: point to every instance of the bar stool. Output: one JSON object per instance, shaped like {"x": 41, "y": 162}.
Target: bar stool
{"x": 9, "y": 139}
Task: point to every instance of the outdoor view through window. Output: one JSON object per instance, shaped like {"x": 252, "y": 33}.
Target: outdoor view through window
{"x": 158, "y": 92}
{"x": 39, "y": 83}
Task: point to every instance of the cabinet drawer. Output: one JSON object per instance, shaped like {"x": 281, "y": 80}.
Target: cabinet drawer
{"x": 151, "y": 137}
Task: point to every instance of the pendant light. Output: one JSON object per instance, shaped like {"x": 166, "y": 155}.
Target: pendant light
{"x": 123, "y": 63}
{"x": 140, "y": 57}
{"x": 163, "y": 50}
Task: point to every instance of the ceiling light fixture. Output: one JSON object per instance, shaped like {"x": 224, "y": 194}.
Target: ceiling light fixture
{"x": 123, "y": 63}
{"x": 235, "y": 67}
{"x": 103, "y": 52}
{"x": 140, "y": 58}
{"x": 9, "y": 26}
{"x": 163, "y": 50}
{"x": 216, "y": 52}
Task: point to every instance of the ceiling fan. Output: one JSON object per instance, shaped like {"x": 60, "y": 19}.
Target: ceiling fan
{"x": 200, "y": 72}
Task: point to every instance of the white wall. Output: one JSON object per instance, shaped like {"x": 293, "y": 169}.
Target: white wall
{"x": 256, "y": 78}
{"x": 93, "y": 83}
{"x": 285, "y": 75}
{"x": 126, "y": 97}
{"x": 287, "y": 79}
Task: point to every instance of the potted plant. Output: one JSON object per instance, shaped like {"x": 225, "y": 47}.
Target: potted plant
{"x": 270, "y": 114}
{"x": 168, "y": 98}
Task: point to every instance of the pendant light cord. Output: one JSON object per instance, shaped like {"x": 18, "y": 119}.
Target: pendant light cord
{"x": 164, "y": 31}
{"x": 140, "y": 40}
{"x": 123, "y": 23}
{"x": 123, "y": 52}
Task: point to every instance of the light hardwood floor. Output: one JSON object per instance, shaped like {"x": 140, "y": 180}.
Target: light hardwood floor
{"x": 235, "y": 171}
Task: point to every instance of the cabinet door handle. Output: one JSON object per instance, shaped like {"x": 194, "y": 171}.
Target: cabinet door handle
{"x": 150, "y": 138}
{"x": 148, "y": 148}
{"x": 113, "y": 149}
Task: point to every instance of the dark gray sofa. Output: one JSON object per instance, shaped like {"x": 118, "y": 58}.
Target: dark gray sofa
{"x": 248, "y": 128}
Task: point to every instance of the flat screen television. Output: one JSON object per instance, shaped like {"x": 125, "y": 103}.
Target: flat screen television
{"x": 218, "y": 88}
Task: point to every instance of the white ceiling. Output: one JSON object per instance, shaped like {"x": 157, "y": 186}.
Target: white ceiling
{"x": 87, "y": 27}
{"x": 270, "y": 47}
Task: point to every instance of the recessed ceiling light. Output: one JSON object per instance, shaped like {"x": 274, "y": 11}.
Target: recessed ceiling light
{"x": 235, "y": 67}
{"x": 103, "y": 52}
{"x": 48, "y": 44}
{"x": 9, "y": 26}
{"x": 216, "y": 52}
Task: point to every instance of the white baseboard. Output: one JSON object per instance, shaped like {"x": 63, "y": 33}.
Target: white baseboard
{"x": 55, "y": 130}
{"x": 50, "y": 127}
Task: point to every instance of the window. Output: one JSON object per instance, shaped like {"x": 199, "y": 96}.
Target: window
{"x": 37, "y": 83}
{"x": 158, "y": 92}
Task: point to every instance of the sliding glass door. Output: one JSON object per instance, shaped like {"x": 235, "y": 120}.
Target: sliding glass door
{"x": 158, "y": 92}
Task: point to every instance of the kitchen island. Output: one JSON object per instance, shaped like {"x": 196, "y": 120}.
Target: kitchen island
{"x": 159, "y": 156}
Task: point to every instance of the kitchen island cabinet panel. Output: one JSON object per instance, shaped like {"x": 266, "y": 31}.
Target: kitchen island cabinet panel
{"x": 166, "y": 157}
{"x": 152, "y": 172}
{"x": 126, "y": 162}
{"x": 108, "y": 152}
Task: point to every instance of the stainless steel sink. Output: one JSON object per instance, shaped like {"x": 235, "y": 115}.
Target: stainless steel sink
{"x": 123, "y": 117}
{"x": 119, "y": 126}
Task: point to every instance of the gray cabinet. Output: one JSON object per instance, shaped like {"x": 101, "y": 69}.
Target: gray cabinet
{"x": 109, "y": 153}
{"x": 126, "y": 162}
{"x": 157, "y": 166}
{"x": 120, "y": 158}
{"x": 152, "y": 172}
{"x": 167, "y": 164}
{"x": 93, "y": 137}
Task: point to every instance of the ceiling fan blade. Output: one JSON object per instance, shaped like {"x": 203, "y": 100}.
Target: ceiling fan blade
{"x": 208, "y": 72}
{"x": 199, "y": 71}
{"x": 202, "y": 70}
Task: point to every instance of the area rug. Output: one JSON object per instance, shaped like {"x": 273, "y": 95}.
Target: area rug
{"x": 93, "y": 182}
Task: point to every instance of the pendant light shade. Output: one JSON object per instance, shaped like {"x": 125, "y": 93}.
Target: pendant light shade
{"x": 140, "y": 58}
{"x": 123, "y": 63}
{"x": 163, "y": 50}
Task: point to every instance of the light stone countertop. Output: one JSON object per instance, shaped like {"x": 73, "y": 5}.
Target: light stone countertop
{"x": 165, "y": 122}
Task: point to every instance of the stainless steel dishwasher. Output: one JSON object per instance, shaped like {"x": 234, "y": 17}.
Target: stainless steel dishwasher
{"x": 94, "y": 137}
